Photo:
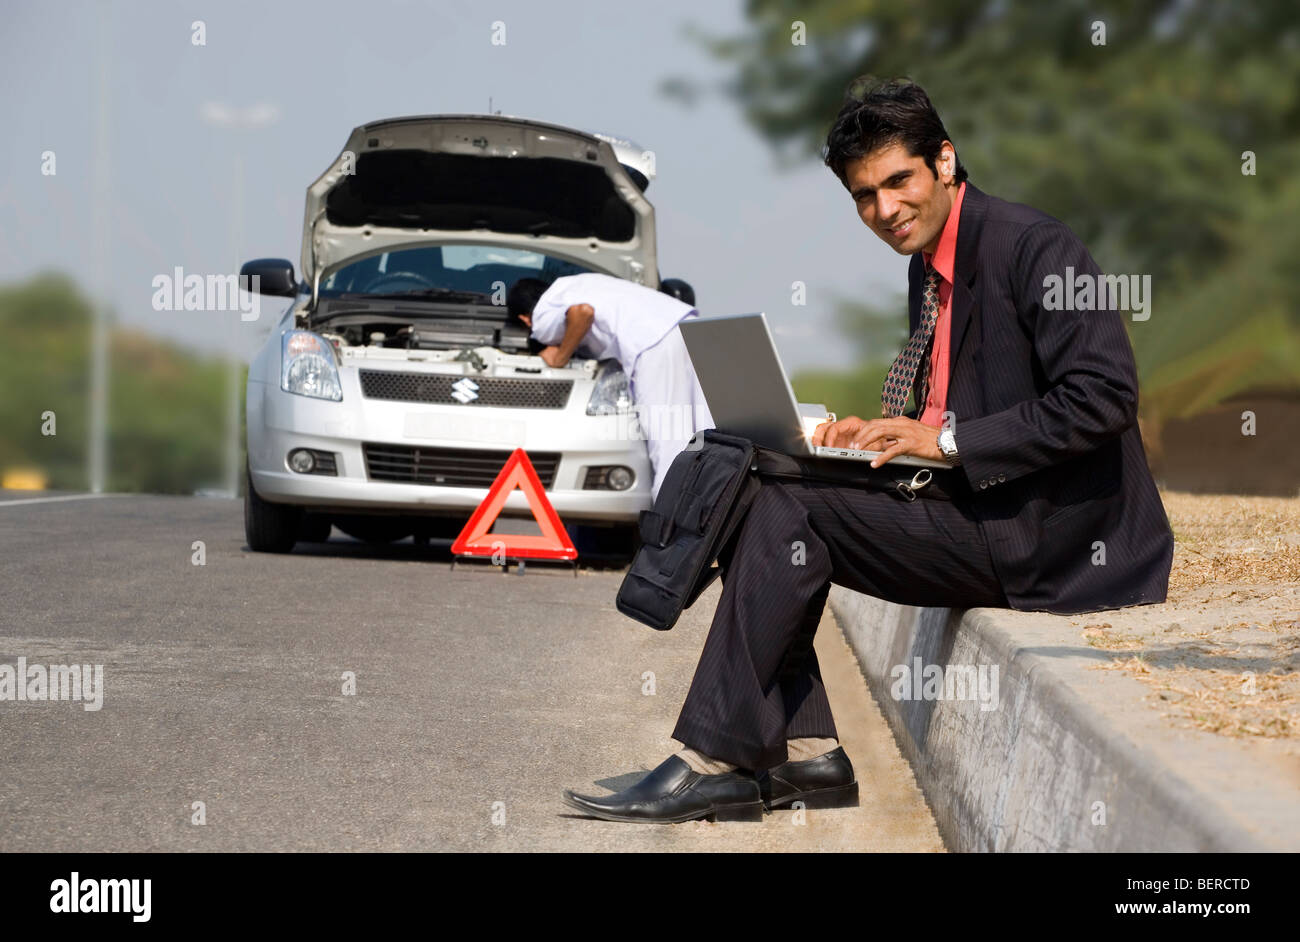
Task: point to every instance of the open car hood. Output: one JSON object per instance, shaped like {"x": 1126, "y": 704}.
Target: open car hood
{"x": 482, "y": 178}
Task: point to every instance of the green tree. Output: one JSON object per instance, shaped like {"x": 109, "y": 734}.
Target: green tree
{"x": 166, "y": 421}
{"x": 45, "y": 323}
{"x": 1130, "y": 121}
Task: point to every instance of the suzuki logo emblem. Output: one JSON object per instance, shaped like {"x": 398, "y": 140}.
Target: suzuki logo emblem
{"x": 464, "y": 390}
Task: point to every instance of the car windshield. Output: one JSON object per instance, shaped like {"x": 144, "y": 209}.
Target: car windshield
{"x": 461, "y": 272}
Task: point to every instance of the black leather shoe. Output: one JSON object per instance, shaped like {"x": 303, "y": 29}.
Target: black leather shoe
{"x": 673, "y": 793}
{"x": 824, "y": 782}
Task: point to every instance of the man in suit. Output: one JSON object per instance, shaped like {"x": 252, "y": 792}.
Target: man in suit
{"x": 1032, "y": 402}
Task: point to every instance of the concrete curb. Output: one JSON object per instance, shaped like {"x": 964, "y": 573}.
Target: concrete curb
{"x": 1070, "y": 759}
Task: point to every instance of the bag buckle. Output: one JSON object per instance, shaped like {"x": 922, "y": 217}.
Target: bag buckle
{"x": 909, "y": 488}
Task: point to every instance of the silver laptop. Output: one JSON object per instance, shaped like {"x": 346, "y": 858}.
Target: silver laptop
{"x": 749, "y": 393}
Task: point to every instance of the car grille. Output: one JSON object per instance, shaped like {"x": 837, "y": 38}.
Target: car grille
{"x": 490, "y": 391}
{"x": 448, "y": 467}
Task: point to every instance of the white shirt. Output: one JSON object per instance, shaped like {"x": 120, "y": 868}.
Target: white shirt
{"x": 630, "y": 318}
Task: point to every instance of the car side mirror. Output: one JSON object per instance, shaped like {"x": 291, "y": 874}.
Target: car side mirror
{"x": 274, "y": 276}
{"x": 678, "y": 289}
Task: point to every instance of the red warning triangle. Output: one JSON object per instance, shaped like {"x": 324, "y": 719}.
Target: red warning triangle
{"x": 553, "y": 543}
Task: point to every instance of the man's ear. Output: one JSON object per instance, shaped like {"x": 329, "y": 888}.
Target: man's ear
{"x": 947, "y": 162}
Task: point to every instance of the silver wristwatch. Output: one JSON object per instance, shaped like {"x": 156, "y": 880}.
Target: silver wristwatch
{"x": 948, "y": 447}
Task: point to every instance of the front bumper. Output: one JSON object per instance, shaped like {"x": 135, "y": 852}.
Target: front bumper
{"x": 279, "y": 422}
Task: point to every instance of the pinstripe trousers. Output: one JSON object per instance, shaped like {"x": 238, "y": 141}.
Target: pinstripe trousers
{"x": 758, "y": 683}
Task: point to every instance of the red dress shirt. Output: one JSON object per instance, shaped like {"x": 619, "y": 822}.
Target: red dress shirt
{"x": 942, "y": 260}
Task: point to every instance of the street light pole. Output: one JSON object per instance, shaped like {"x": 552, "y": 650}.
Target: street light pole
{"x": 247, "y": 119}
{"x": 232, "y": 374}
{"x": 97, "y": 453}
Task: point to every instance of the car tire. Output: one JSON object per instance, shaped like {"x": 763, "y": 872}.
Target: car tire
{"x": 268, "y": 527}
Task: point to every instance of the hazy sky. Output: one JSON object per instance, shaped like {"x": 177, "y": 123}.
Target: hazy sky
{"x": 731, "y": 222}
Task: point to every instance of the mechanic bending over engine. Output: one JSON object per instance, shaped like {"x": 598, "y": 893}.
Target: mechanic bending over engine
{"x": 606, "y": 317}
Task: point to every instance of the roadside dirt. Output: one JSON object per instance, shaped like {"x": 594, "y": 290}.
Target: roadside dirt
{"x": 1223, "y": 653}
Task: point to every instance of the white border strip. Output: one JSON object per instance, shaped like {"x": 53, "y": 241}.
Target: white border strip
{"x": 50, "y": 500}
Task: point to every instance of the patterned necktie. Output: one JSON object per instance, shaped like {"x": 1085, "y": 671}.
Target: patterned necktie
{"x": 902, "y": 374}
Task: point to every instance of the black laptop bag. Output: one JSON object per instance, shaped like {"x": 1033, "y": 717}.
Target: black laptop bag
{"x": 702, "y": 500}
{"x": 709, "y": 486}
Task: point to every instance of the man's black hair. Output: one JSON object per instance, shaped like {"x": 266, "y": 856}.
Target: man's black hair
{"x": 522, "y": 297}
{"x": 676, "y": 288}
{"x": 878, "y": 113}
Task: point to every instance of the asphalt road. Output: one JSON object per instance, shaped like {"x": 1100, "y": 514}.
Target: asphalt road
{"x": 479, "y": 696}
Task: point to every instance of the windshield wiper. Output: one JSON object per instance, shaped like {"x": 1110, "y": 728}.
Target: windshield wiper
{"x": 433, "y": 294}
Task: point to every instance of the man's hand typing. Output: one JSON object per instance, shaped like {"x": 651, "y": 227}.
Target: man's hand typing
{"x": 890, "y": 437}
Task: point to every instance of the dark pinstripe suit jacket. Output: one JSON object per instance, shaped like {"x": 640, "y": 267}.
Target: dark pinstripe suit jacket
{"x": 1045, "y": 418}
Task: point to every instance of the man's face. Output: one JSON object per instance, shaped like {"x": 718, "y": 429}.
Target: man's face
{"x": 898, "y": 196}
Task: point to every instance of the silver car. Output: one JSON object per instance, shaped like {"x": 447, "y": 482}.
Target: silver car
{"x": 393, "y": 389}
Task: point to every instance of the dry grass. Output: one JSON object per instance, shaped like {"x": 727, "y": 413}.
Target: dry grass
{"x": 1223, "y": 654}
{"x": 1250, "y": 540}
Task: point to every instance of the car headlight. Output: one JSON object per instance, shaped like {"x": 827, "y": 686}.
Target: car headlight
{"x": 308, "y": 366}
{"x": 611, "y": 395}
